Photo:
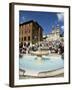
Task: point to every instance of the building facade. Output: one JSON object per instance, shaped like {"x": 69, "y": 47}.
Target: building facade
{"x": 55, "y": 34}
{"x": 30, "y": 32}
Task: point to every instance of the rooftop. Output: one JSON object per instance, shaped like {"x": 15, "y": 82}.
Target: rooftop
{"x": 32, "y": 21}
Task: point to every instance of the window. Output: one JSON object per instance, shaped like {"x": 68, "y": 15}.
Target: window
{"x": 24, "y": 38}
{"x": 22, "y": 31}
{"x": 34, "y": 37}
{"x": 29, "y": 38}
{"x": 27, "y": 31}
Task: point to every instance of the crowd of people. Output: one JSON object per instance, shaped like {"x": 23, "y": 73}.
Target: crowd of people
{"x": 56, "y": 46}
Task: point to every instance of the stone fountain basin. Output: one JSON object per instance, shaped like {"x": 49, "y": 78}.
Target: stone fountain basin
{"x": 41, "y": 68}
{"x": 40, "y": 53}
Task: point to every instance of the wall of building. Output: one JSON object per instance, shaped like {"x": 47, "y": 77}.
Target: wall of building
{"x": 55, "y": 34}
{"x": 25, "y": 33}
{"x": 30, "y": 32}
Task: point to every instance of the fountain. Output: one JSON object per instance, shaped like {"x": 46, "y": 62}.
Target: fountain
{"x": 39, "y": 53}
{"x": 38, "y": 66}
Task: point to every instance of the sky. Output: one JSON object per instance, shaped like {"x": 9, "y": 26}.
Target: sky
{"x": 45, "y": 19}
